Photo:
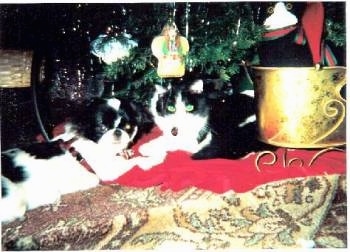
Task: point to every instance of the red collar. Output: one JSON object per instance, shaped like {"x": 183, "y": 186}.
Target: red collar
{"x": 68, "y": 146}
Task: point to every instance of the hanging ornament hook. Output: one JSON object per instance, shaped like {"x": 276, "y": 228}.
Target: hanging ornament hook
{"x": 237, "y": 31}
{"x": 188, "y": 5}
{"x": 174, "y": 10}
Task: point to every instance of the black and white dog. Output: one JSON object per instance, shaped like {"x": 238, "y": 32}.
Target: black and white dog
{"x": 190, "y": 120}
{"x": 98, "y": 135}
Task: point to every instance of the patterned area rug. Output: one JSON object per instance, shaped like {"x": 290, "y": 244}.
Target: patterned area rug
{"x": 333, "y": 231}
{"x": 284, "y": 214}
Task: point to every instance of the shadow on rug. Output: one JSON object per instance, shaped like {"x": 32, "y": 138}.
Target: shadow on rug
{"x": 284, "y": 214}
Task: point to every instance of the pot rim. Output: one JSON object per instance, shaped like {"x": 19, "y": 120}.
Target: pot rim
{"x": 310, "y": 68}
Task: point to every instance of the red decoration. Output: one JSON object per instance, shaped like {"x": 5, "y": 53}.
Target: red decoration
{"x": 313, "y": 23}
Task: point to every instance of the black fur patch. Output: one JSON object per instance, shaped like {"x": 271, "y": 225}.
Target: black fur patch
{"x": 230, "y": 138}
{"x": 11, "y": 171}
{"x": 196, "y": 100}
{"x": 45, "y": 150}
{"x": 4, "y": 190}
{"x": 135, "y": 114}
{"x": 94, "y": 118}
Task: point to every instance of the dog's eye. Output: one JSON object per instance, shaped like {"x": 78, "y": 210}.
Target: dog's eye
{"x": 171, "y": 108}
{"x": 127, "y": 126}
{"x": 189, "y": 107}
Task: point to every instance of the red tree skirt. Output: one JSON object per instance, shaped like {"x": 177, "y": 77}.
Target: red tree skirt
{"x": 221, "y": 175}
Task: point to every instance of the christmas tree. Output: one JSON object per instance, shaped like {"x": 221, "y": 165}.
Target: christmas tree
{"x": 221, "y": 36}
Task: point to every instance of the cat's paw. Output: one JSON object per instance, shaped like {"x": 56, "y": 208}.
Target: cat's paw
{"x": 147, "y": 163}
{"x": 144, "y": 149}
{"x": 153, "y": 147}
{"x": 148, "y": 149}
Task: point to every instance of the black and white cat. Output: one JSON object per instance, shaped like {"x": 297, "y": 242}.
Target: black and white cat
{"x": 207, "y": 128}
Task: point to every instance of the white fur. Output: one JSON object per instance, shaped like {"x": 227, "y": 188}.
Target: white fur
{"x": 197, "y": 86}
{"x": 249, "y": 119}
{"x": 69, "y": 133}
{"x": 114, "y": 103}
{"x": 248, "y": 92}
{"x": 48, "y": 180}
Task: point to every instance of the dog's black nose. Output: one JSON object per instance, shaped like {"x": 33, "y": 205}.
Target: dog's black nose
{"x": 118, "y": 132}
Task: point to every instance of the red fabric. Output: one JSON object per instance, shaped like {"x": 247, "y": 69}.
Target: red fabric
{"x": 179, "y": 171}
{"x": 312, "y": 22}
{"x": 278, "y": 33}
{"x": 221, "y": 175}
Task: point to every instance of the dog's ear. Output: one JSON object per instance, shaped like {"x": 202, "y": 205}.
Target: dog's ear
{"x": 147, "y": 117}
{"x": 218, "y": 89}
{"x": 197, "y": 87}
{"x": 141, "y": 114}
{"x": 160, "y": 89}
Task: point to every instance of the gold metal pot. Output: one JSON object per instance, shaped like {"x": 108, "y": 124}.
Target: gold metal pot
{"x": 300, "y": 107}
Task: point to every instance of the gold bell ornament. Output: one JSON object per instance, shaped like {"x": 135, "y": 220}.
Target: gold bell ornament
{"x": 170, "y": 48}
